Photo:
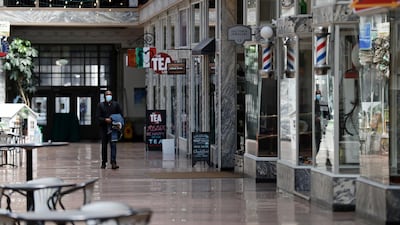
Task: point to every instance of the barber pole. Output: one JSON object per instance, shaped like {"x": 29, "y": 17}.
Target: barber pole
{"x": 290, "y": 58}
{"x": 267, "y": 58}
{"x": 321, "y": 50}
{"x": 320, "y": 65}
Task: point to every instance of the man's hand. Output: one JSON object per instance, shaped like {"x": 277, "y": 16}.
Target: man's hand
{"x": 108, "y": 120}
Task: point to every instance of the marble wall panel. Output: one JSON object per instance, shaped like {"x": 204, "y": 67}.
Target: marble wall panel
{"x": 64, "y": 17}
{"x": 370, "y": 200}
{"x": 344, "y": 192}
{"x": 393, "y": 205}
{"x": 333, "y": 14}
{"x": 302, "y": 179}
{"x": 321, "y": 188}
{"x": 265, "y": 170}
{"x": 249, "y": 166}
{"x": 285, "y": 177}
{"x": 227, "y": 87}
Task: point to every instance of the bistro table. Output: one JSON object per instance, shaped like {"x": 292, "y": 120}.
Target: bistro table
{"x": 68, "y": 216}
{"x": 26, "y": 189}
{"x": 28, "y": 147}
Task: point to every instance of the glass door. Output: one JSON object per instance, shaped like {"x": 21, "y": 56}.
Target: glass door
{"x": 67, "y": 114}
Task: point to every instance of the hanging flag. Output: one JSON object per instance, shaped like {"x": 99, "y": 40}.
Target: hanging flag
{"x": 148, "y": 53}
{"x": 139, "y": 57}
{"x": 131, "y": 57}
{"x": 146, "y": 57}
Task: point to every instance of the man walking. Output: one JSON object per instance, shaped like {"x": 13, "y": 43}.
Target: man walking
{"x": 104, "y": 112}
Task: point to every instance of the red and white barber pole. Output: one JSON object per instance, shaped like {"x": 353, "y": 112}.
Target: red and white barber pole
{"x": 321, "y": 39}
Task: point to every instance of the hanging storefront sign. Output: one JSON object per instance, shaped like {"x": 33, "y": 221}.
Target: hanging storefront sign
{"x": 176, "y": 68}
{"x": 156, "y": 129}
{"x": 239, "y": 34}
{"x": 159, "y": 63}
{"x": 361, "y": 5}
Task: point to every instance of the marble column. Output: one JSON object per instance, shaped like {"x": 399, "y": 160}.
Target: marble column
{"x": 2, "y": 85}
{"x": 226, "y": 85}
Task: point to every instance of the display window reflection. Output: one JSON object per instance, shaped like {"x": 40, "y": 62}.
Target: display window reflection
{"x": 375, "y": 77}
{"x": 39, "y": 105}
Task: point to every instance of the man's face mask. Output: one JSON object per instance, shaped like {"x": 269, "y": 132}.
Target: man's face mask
{"x": 108, "y": 98}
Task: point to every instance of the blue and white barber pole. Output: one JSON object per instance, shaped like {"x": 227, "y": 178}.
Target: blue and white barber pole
{"x": 321, "y": 36}
{"x": 267, "y": 59}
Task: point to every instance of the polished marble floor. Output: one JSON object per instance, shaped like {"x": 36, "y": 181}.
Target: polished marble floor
{"x": 228, "y": 201}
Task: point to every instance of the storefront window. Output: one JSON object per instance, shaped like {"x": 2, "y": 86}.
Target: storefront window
{"x": 196, "y": 22}
{"x": 184, "y": 114}
{"x": 288, "y": 99}
{"x": 173, "y": 109}
{"x": 324, "y": 107}
{"x": 252, "y": 99}
{"x": 394, "y": 111}
{"x": 305, "y": 100}
{"x": 251, "y": 12}
{"x": 374, "y": 92}
{"x": 183, "y": 28}
{"x": 39, "y": 105}
{"x": 349, "y": 102}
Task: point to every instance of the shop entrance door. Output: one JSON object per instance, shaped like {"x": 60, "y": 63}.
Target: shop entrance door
{"x": 67, "y": 114}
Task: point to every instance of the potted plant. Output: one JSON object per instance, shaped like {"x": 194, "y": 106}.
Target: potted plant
{"x": 19, "y": 67}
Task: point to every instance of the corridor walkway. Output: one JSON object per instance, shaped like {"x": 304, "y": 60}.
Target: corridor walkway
{"x": 224, "y": 201}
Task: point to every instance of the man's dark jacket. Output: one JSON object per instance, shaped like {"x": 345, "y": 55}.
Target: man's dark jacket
{"x": 105, "y": 110}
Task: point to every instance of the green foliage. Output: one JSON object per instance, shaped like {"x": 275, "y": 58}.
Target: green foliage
{"x": 19, "y": 67}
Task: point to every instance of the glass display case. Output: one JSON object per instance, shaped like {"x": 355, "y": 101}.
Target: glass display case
{"x": 296, "y": 101}
{"x": 374, "y": 93}
{"x": 337, "y": 109}
{"x": 261, "y": 105}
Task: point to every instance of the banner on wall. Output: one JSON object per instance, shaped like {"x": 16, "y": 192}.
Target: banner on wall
{"x": 131, "y": 58}
{"x": 161, "y": 63}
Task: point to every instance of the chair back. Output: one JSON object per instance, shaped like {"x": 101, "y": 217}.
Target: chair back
{"x": 100, "y": 206}
{"x": 87, "y": 188}
{"x": 140, "y": 217}
{"x": 44, "y": 198}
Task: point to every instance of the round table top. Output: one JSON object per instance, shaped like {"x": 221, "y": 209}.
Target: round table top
{"x": 70, "y": 215}
{"x": 34, "y": 186}
{"x": 33, "y": 145}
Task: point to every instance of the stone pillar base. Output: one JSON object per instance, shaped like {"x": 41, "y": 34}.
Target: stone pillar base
{"x": 336, "y": 191}
{"x": 378, "y": 202}
{"x": 263, "y": 169}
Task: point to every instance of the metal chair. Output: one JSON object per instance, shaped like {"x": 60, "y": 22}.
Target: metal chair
{"x": 8, "y": 153}
{"x": 140, "y": 217}
{"x": 45, "y": 199}
{"x": 6, "y": 219}
{"x": 87, "y": 188}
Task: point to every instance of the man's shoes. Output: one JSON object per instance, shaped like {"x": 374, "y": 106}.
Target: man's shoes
{"x": 103, "y": 166}
{"x": 114, "y": 166}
